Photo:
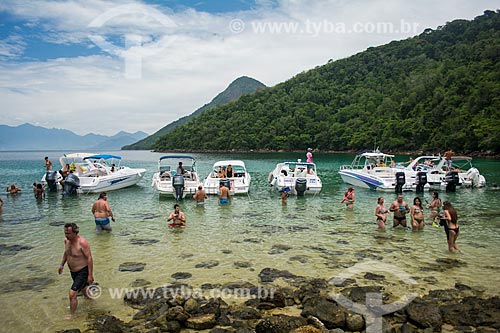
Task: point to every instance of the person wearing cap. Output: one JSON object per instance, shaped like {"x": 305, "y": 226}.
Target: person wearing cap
{"x": 309, "y": 156}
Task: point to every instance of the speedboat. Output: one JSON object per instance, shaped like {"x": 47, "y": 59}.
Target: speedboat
{"x": 295, "y": 178}
{"x": 166, "y": 181}
{"x": 462, "y": 173}
{"x": 94, "y": 173}
{"x": 238, "y": 183}
{"x": 372, "y": 170}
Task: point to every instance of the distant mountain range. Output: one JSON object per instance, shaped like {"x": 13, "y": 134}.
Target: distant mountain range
{"x": 31, "y": 137}
{"x": 241, "y": 86}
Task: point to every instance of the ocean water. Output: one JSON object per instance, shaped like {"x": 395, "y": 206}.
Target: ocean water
{"x": 312, "y": 237}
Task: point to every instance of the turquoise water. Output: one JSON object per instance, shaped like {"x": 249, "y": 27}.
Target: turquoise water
{"x": 312, "y": 236}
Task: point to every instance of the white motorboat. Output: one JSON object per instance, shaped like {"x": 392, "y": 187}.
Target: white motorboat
{"x": 167, "y": 181}
{"x": 462, "y": 173}
{"x": 94, "y": 173}
{"x": 372, "y": 170}
{"x": 238, "y": 183}
{"x": 296, "y": 178}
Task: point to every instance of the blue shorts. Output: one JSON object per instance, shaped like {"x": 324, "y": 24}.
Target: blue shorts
{"x": 223, "y": 200}
{"x": 80, "y": 279}
{"x": 102, "y": 223}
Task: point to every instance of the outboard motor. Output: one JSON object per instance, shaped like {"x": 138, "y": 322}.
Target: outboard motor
{"x": 178, "y": 185}
{"x": 452, "y": 180}
{"x": 71, "y": 184}
{"x": 301, "y": 186}
{"x": 420, "y": 181}
{"x": 51, "y": 179}
{"x": 400, "y": 181}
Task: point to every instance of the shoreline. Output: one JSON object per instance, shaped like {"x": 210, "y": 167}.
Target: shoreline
{"x": 284, "y": 302}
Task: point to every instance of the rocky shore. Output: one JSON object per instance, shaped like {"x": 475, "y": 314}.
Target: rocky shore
{"x": 286, "y": 303}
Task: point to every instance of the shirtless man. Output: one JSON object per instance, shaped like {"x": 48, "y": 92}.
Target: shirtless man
{"x": 79, "y": 258}
{"x": 178, "y": 217}
{"x": 48, "y": 163}
{"x": 223, "y": 194}
{"x": 400, "y": 208}
{"x": 200, "y": 196}
{"x": 102, "y": 212}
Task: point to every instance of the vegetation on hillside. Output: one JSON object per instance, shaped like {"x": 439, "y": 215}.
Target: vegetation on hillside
{"x": 432, "y": 92}
{"x": 240, "y": 86}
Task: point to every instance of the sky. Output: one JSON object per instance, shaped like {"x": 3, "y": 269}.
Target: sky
{"x": 94, "y": 66}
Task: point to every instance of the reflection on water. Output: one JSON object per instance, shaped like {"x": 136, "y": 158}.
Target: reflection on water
{"x": 313, "y": 236}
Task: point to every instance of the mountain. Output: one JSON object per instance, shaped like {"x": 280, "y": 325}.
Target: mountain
{"x": 240, "y": 86}
{"x": 433, "y": 92}
{"x": 30, "y": 137}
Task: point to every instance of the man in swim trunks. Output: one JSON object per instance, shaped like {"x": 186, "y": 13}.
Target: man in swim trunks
{"x": 400, "y": 208}
{"x": 48, "y": 163}
{"x": 200, "y": 196}
{"x": 81, "y": 265}
{"x": 223, "y": 194}
{"x": 178, "y": 217}
{"x": 102, "y": 212}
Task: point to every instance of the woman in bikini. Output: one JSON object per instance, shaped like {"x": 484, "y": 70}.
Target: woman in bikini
{"x": 381, "y": 213}
{"x": 435, "y": 206}
{"x": 417, "y": 215}
{"x": 451, "y": 216}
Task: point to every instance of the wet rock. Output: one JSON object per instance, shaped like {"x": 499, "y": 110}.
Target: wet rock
{"x": 13, "y": 249}
{"x": 227, "y": 251}
{"x": 221, "y": 330}
{"x": 354, "y": 322}
{"x": 238, "y": 285}
{"x": 328, "y": 312}
{"x": 473, "y": 311}
{"x": 306, "y": 329}
{"x": 108, "y": 324}
{"x": 293, "y": 228}
{"x": 242, "y": 264}
{"x": 208, "y": 286}
{"x": 425, "y": 315}
{"x": 191, "y": 306}
{"x": 138, "y": 241}
{"x": 201, "y": 322}
{"x": 177, "y": 313}
{"x": 279, "y": 248}
{"x": 247, "y": 314}
{"x": 279, "y": 324}
{"x": 181, "y": 275}
{"x": 131, "y": 267}
{"x": 74, "y": 330}
{"x": 358, "y": 294}
{"x": 461, "y": 286}
{"x": 207, "y": 264}
{"x": 271, "y": 274}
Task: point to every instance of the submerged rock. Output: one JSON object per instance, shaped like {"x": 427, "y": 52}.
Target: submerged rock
{"x": 131, "y": 267}
{"x": 32, "y": 283}
{"x": 271, "y": 274}
{"x": 137, "y": 241}
{"x": 13, "y": 249}
{"x": 207, "y": 264}
{"x": 181, "y": 275}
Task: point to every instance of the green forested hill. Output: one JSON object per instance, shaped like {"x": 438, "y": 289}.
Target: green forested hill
{"x": 435, "y": 91}
{"x": 240, "y": 86}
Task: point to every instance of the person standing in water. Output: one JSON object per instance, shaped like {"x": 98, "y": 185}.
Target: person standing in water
{"x": 78, "y": 256}
{"x": 349, "y": 198}
{"x": 224, "y": 194}
{"x": 417, "y": 215}
{"x": 200, "y": 196}
{"x": 400, "y": 208}
{"x": 381, "y": 213}
{"x": 177, "y": 217}
{"x": 450, "y": 218}
{"x": 102, "y": 212}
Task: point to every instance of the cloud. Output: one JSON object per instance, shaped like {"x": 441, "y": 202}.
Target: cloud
{"x": 185, "y": 63}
